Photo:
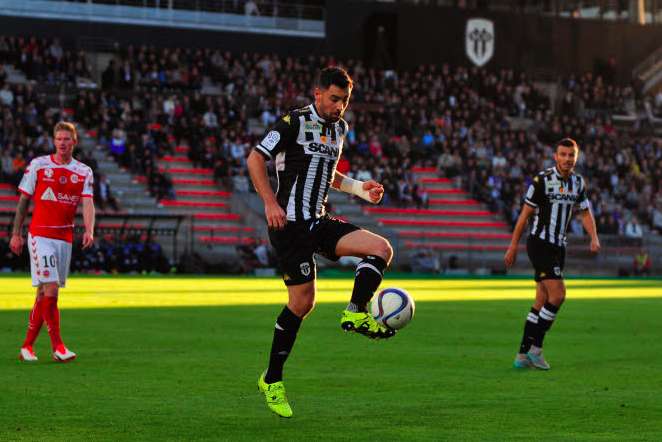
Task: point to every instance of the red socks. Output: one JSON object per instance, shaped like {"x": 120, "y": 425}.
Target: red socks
{"x": 51, "y": 315}
{"x": 34, "y": 323}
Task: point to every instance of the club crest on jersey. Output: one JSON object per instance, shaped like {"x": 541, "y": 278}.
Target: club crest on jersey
{"x": 305, "y": 268}
{"x": 48, "y": 195}
{"x": 74, "y": 179}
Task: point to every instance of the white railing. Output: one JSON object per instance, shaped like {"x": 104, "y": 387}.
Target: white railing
{"x": 138, "y": 14}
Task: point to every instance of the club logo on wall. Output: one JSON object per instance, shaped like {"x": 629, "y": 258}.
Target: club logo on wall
{"x": 479, "y": 40}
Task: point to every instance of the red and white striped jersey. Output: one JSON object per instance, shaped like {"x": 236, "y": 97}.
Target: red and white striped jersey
{"x": 56, "y": 190}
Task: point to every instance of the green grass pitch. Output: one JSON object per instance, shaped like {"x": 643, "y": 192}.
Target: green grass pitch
{"x": 178, "y": 359}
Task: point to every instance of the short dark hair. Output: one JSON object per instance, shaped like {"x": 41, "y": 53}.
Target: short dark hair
{"x": 334, "y": 75}
{"x": 567, "y": 142}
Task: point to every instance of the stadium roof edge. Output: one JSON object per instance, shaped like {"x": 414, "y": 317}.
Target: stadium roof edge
{"x": 130, "y": 15}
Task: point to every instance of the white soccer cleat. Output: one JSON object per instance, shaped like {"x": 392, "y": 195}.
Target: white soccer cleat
{"x": 63, "y": 354}
{"x": 537, "y": 360}
{"x": 28, "y": 355}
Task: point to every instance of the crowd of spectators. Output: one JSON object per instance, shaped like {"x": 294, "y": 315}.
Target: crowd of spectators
{"x": 45, "y": 60}
{"x": 128, "y": 253}
{"x": 467, "y": 122}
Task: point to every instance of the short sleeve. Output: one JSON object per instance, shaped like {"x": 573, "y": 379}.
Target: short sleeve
{"x": 535, "y": 194}
{"x": 283, "y": 132}
{"x": 582, "y": 197}
{"x": 88, "y": 185}
{"x": 29, "y": 180}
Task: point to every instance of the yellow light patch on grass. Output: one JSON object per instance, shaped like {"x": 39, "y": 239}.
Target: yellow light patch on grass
{"x": 117, "y": 292}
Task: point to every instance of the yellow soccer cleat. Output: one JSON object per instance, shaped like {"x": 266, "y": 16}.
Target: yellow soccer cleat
{"x": 363, "y": 323}
{"x": 275, "y": 397}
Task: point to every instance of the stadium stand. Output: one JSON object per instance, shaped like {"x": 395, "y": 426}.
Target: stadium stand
{"x": 454, "y": 161}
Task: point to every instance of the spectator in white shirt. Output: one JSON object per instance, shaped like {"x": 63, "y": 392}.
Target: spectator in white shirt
{"x": 633, "y": 229}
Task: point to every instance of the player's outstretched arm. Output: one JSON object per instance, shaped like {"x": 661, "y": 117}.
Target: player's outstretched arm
{"x": 257, "y": 168}
{"x": 88, "y": 221}
{"x": 511, "y": 254}
{"x": 370, "y": 190}
{"x": 589, "y": 224}
{"x": 17, "y": 241}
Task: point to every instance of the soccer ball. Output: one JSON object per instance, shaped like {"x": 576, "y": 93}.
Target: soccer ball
{"x": 393, "y": 308}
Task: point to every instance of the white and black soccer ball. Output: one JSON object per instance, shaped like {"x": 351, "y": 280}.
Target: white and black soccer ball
{"x": 393, "y": 307}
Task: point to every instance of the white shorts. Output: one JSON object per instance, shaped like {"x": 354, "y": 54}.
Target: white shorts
{"x": 49, "y": 260}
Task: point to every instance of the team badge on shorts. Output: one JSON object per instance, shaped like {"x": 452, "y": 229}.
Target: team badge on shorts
{"x": 305, "y": 268}
{"x": 557, "y": 271}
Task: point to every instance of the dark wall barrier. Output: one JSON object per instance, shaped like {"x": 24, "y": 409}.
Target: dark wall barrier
{"x": 434, "y": 35}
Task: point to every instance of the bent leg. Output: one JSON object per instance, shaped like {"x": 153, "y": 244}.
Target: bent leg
{"x": 362, "y": 243}
{"x": 376, "y": 253}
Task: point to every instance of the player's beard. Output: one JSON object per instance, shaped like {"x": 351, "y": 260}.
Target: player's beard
{"x": 332, "y": 118}
{"x": 566, "y": 168}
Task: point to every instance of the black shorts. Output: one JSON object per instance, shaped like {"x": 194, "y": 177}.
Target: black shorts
{"x": 548, "y": 260}
{"x": 297, "y": 243}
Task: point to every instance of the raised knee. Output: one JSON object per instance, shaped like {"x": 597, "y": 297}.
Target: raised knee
{"x": 384, "y": 250}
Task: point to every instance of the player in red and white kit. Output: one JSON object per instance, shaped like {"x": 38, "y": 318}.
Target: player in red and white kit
{"x": 57, "y": 183}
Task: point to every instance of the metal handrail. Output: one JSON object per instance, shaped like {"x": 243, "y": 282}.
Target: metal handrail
{"x": 268, "y": 9}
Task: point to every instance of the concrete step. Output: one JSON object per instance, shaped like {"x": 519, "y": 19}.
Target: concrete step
{"x": 449, "y": 218}
{"x": 196, "y": 187}
{"x": 460, "y": 240}
{"x": 187, "y": 210}
{"x": 202, "y": 195}
{"x": 436, "y": 203}
{"x": 427, "y": 213}
{"x": 450, "y": 227}
{"x": 457, "y": 247}
{"x": 176, "y": 170}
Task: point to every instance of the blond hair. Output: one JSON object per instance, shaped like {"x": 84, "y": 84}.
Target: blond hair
{"x": 68, "y": 127}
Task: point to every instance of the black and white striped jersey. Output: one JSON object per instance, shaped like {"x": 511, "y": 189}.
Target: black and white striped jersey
{"x": 306, "y": 150}
{"x": 554, "y": 198}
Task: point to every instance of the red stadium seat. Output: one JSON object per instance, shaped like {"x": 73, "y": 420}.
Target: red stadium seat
{"x": 215, "y": 193}
{"x": 434, "y": 223}
{"x": 426, "y": 212}
{"x": 177, "y": 203}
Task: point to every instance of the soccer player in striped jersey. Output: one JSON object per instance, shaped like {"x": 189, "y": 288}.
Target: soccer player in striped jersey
{"x": 550, "y": 200}
{"x": 306, "y": 145}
